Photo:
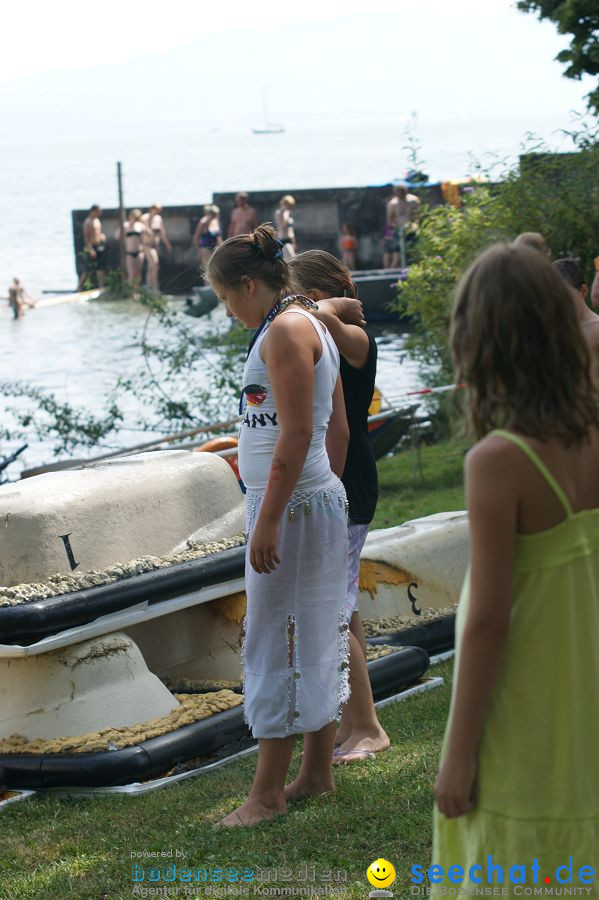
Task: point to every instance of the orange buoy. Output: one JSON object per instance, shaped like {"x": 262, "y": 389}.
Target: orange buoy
{"x": 227, "y": 442}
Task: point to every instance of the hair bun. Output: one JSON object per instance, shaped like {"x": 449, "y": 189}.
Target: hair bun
{"x": 265, "y": 240}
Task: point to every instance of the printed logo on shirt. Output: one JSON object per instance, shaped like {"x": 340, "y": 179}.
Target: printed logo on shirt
{"x": 256, "y": 394}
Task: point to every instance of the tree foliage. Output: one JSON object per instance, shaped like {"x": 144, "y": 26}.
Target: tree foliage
{"x": 580, "y": 19}
{"x": 554, "y": 194}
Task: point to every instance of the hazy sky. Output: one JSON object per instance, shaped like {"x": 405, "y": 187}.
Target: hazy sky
{"x": 41, "y": 35}
{"x": 68, "y": 68}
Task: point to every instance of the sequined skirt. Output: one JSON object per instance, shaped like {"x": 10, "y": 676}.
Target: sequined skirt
{"x": 296, "y": 645}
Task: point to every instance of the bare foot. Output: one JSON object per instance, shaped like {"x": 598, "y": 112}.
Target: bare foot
{"x": 251, "y": 813}
{"x": 359, "y": 744}
{"x": 306, "y": 787}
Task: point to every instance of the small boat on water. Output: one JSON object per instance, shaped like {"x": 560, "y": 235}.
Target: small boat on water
{"x": 122, "y": 606}
{"x": 60, "y": 299}
{"x": 377, "y": 288}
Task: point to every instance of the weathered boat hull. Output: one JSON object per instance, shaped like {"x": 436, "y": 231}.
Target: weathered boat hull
{"x": 99, "y": 656}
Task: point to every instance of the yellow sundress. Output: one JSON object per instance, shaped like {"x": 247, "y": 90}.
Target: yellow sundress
{"x": 538, "y": 763}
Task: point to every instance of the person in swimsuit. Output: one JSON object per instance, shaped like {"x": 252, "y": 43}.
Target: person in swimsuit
{"x": 285, "y": 225}
{"x": 18, "y": 299}
{"x": 94, "y": 251}
{"x": 323, "y": 278}
{"x": 135, "y": 232}
{"x": 292, "y": 447}
{"x": 401, "y": 224}
{"x": 207, "y": 235}
{"x": 519, "y": 772}
{"x": 152, "y": 238}
{"x": 349, "y": 246}
{"x": 243, "y": 217}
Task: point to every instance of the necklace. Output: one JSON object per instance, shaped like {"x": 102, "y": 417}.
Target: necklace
{"x": 279, "y": 307}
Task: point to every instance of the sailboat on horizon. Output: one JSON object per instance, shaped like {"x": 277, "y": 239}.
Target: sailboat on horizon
{"x": 268, "y": 127}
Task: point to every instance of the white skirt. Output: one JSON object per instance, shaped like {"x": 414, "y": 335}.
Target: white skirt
{"x": 296, "y": 643}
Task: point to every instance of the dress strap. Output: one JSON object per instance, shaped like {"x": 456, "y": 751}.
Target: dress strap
{"x": 539, "y": 465}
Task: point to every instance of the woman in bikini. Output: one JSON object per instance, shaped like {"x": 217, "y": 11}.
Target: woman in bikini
{"x": 208, "y": 235}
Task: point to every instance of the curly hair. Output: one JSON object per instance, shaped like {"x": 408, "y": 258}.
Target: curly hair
{"x": 517, "y": 343}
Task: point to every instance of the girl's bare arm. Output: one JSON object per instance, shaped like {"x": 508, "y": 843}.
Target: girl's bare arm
{"x": 352, "y": 341}
{"x": 492, "y": 499}
{"x": 337, "y": 437}
{"x": 289, "y": 354}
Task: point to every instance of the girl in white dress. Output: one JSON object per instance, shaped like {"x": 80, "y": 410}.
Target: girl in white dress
{"x": 292, "y": 448}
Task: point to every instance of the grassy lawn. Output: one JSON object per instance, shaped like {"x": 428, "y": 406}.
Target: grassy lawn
{"x": 82, "y": 849}
{"x": 405, "y": 494}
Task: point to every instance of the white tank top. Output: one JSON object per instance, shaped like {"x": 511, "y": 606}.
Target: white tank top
{"x": 259, "y": 427}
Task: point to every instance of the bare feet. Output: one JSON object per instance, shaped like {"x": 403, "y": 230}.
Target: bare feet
{"x": 365, "y": 742}
{"x": 251, "y": 813}
{"x": 304, "y": 787}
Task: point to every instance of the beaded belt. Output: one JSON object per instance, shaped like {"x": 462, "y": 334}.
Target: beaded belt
{"x": 302, "y": 499}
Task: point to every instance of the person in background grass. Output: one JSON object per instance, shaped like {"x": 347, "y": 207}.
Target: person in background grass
{"x": 570, "y": 270}
{"x": 292, "y": 448}
{"x": 322, "y": 278}
{"x": 519, "y": 771}
{"x": 349, "y": 246}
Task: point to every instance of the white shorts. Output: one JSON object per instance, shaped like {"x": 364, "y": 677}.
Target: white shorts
{"x": 356, "y": 535}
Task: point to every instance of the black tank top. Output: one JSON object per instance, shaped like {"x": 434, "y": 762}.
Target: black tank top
{"x": 360, "y": 476}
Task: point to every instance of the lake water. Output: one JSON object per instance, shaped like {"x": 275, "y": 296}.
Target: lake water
{"x": 77, "y": 352}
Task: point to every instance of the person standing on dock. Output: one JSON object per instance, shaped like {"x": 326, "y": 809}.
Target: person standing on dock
{"x": 292, "y": 447}
{"x": 208, "y": 235}
{"x": 401, "y": 224}
{"x": 136, "y": 232}
{"x": 243, "y": 218}
{"x": 94, "y": 250}
{"x": 286, "y": 225}
{"x": 153, "y": 236}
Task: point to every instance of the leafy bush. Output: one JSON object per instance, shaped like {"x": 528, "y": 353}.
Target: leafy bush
{"x": 554, "y": 194}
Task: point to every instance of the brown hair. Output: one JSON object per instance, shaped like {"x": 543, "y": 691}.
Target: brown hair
{"x": 532, "y": 239}
{"x": 516, "y": 342}
{"x": 317, "y": 270}
{"x": 257, "y": 255}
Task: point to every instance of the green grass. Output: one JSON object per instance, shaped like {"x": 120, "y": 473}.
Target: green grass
{"x": 80, "y": 849}
{"x": 75, "y": 848}
{"x": 405, "y": 493}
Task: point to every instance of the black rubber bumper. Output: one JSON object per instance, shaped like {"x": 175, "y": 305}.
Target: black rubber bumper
{"x": 435, "y": 636}
{"x": 154, "y": 757}
{"x": 30, "y": 622}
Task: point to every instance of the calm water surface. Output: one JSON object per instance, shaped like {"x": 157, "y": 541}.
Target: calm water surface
{"x": 77, "y": 352}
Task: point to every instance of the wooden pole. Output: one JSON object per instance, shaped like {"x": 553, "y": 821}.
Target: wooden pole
{"x": 119, "y": 178}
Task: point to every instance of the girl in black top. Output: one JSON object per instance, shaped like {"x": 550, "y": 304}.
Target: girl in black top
{"x": 321, "y": 276}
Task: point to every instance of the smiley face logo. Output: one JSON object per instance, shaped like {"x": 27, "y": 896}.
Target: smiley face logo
{"x": 380, "y": 873}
